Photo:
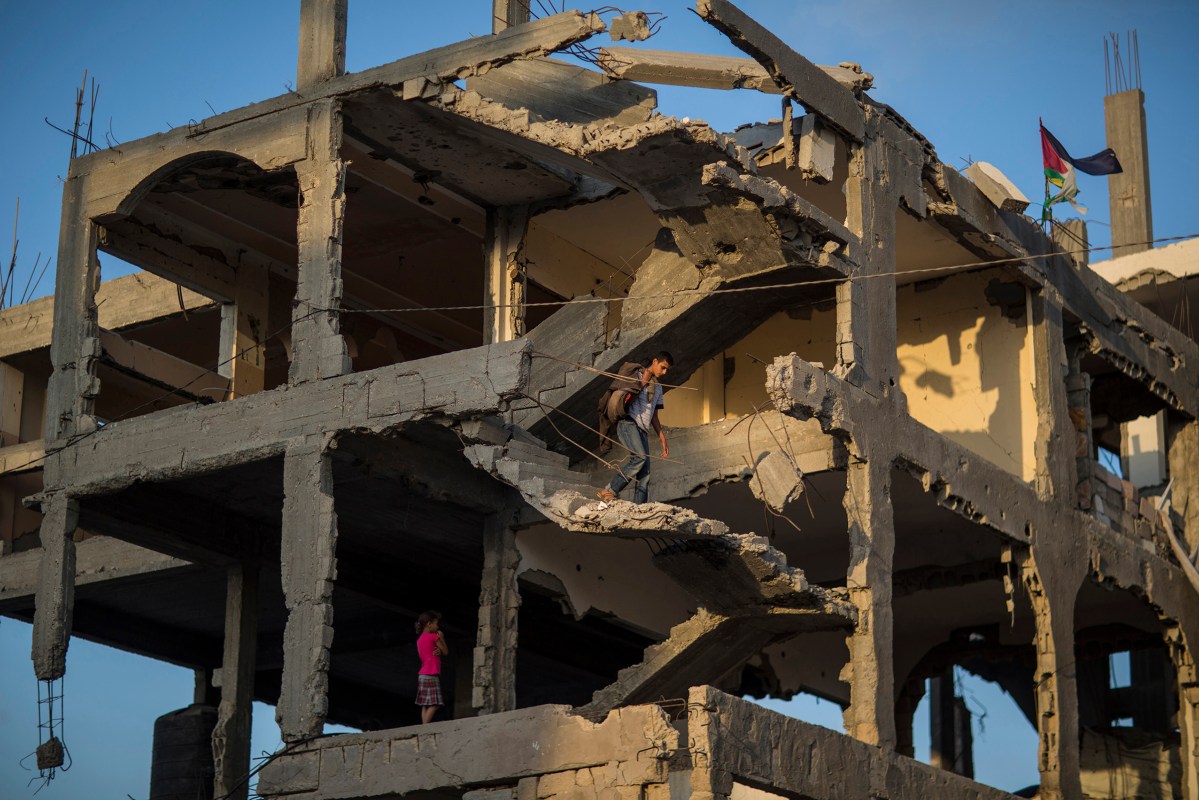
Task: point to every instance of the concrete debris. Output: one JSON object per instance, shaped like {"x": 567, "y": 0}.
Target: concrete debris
{"x": 632, "y": 26}
{"x": 997, "y": 187}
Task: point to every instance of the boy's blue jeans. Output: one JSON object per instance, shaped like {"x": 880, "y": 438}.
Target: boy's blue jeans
{"x": 636, "y": 466}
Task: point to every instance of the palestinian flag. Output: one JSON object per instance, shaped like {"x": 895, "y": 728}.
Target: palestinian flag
{"x": 1060, "y": 169}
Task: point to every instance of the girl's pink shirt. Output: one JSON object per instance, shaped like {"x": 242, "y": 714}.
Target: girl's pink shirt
{"x": 430, "y": 660}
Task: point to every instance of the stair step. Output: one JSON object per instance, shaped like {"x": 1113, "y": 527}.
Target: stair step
{"x": 523, "y": 451}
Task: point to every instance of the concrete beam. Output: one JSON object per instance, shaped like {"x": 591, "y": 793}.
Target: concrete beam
{"x": 1134, "y": 339}
{"x": 161, "y": 370}
{"x": 452, "y": 62}
{"x": 97, "y": 559}
{"x": 798, "y": 78}
{"x": 504, "y": 749}
{"x": 163, "y": 247}
{"x": 561, "y": 91}
{"x": 197, "y": 439}
{"x": 708, "y": 72}
{"x": 120, "y": 303}
{"x": 23, "y": 457}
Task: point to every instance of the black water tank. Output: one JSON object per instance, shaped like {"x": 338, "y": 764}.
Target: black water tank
{"x": 182, "y": 762}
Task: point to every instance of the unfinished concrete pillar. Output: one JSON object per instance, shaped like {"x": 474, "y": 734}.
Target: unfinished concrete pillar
{"x": 309, "y": 564}
{"x": 1057, "y": 440}
{"x": 242, "y": 357}
{"x": 1128, "y": 191}
{"x": 494, "y": 687}
{"x": 318, "y": 349}
{"x": 505, "y": 280}
{"x": 508, "y": 13}
{"x": 322, "y": 41}
{"x": 75, "y": 343}
{"x": 231, "y": 737}
{"x": 866, "y": 327}
{"x": 870, "y": 672}
{"x": 55, "y": 599}
{"x": 1052, "y": 599}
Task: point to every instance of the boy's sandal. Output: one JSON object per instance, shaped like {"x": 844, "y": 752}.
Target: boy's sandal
{"x": 607, "y": 495}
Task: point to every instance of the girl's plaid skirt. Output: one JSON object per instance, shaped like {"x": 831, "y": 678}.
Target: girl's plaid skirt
{"x": 428, "y": 690}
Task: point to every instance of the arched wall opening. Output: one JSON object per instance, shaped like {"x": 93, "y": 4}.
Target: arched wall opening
{"x": 221, "y": 232}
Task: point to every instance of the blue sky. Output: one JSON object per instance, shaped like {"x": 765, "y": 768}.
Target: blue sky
{"x": 973, "y": 77}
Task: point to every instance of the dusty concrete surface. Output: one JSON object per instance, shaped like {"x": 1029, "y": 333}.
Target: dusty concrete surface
{"x": 889, "y": 413}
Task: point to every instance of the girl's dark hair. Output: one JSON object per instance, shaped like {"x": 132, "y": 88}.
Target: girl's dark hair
{"x": 425, "y": 619}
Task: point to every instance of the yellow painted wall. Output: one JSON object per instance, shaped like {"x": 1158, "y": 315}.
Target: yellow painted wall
{"x": 812, "y": 339}
{"x": 967, "y": 370}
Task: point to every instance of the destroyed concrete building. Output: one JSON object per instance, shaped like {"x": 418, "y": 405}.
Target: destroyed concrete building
{"x": 358, "y": 375}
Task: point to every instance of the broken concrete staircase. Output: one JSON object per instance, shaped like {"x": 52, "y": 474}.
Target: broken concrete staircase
{"x": 750, "y": 596}
{"x": 565, "y": 496}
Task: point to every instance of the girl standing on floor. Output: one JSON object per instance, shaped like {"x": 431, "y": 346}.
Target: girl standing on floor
{"x": 430, "y": 646}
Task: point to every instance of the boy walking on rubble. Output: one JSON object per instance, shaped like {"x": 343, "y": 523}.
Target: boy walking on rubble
{"x": 634, "y": 425}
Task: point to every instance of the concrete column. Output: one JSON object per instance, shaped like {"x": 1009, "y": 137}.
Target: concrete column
{"x": 942, "y": 750}
{"x": 12, "y": 400}
{"x": 55, "y": 599}
{"x": 75, "y": 343}
{"x": 231, "y": 737}
{"x": 508, "y": 13}
{"x": 309, "y": 565}
{"x": 242, "y": 357}
{"x": 322, "y": 41}
{"x": 1054, "y": 679}
{"x": 1188, "y": 710}
{"x": 1078, "y": 403}
{"x": 505, "y": 277}
{"x": 1057, "y": 440}
{"x": 1182, "y": 450}
{"x": 494, "y": 672}
{"x": 1128, "y": 191}
{"x": 866, "y": 327}
{"x": 870, "y": 672}
{"x": 318, "y": 349}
